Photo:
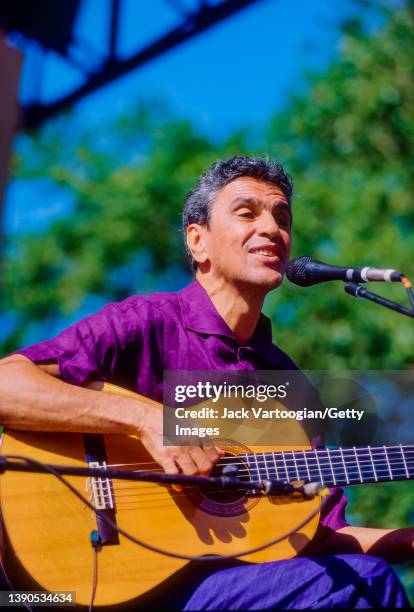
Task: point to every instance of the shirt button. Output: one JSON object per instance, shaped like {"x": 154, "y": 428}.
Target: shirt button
{"x": 240, "y": 352}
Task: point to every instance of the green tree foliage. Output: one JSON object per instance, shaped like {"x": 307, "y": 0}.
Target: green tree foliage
{"x": 128, "y": 187}
{"x": 349, "y": 143}
{"x": 348, "y": 140}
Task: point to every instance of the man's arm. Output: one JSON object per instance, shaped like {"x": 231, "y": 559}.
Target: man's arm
{"x": 393, "y": 545}
{"x": 33, "y": 398}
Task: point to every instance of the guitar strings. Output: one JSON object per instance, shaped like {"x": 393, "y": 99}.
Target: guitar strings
{"x": 380, "y": 471}
{"x": 383, "y": 467}
{"x": 393, "y": 462}
{"x": 392, "y": 468}
{"x": 348, "y": 453}
{"x": 291, "y": 463}
{"x": 135, "y": 501}
{"x": 162, "y": 491}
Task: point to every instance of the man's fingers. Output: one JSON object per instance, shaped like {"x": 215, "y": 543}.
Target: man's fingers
{"x": 186, "y": 463}
{"x": 187, "y": 460}
{"x": 202, "y": 460}
{"x": 170, "y": 467}
{"x": 213, "y": 452}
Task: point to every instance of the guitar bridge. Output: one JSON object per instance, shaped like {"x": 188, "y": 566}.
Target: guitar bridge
{"x": 102, "y": 495}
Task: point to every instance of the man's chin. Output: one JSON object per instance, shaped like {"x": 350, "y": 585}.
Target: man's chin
{"x": 263, "y": 283}
{"x": 274, "y": 283}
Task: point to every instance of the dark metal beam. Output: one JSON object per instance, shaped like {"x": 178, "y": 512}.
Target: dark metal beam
{"x": 113, "y": 68}
{"x": 113, "y": 31}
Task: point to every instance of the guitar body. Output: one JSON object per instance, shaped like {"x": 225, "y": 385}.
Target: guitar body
{"x": 48, "y": 528}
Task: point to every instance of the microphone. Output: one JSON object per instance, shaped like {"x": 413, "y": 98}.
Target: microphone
{"x": 306, "y": 271}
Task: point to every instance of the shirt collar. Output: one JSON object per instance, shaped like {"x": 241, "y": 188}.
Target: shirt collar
{"x": 199, "y": 314}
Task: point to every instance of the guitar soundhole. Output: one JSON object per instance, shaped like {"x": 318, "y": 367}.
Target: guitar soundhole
{"x": 222, "y": 502}
{"x": 233, "y": 466}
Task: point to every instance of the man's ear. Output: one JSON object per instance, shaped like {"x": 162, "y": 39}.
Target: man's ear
{"x": 196, "y": 242}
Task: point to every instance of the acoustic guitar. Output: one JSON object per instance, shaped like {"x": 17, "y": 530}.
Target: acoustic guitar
{"x": 48, "y": 529}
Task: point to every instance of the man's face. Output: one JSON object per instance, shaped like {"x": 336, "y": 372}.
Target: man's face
{"x": 249, "y": 235}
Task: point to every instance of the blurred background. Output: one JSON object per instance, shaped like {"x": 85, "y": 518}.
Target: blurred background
{"x": 110, "y": 110}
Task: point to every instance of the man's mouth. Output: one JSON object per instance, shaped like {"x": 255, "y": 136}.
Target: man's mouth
{"x": 270, "y": 252}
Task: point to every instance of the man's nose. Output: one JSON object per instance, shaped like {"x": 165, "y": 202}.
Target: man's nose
{"x": 268, "y": 225}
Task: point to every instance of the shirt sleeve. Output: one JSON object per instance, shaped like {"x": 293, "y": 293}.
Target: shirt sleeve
{"x": 92, "y": 349}
{"x": 333, "y": 511}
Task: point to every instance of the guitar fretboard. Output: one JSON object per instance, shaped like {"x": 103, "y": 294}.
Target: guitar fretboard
{"x": 335, "y": 466}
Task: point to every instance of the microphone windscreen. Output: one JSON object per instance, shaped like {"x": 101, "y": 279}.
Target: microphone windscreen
{"x": 296, "y": 271}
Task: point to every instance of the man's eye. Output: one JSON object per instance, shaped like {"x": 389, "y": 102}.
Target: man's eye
{"x": 284, "y": 221}
{"x": 246, "y": 214}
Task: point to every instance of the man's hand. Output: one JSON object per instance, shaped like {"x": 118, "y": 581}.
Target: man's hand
{"x": 189, "y": 460}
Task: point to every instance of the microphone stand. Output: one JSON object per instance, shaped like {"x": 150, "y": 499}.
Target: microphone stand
{"x": 360, "y": 292}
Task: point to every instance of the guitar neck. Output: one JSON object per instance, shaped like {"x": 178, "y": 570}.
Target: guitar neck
{"x": 335, "y": 466}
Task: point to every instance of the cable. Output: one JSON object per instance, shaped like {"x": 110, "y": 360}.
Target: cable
{"x": 155, "y": 549}
{"x": 95, "y": 542}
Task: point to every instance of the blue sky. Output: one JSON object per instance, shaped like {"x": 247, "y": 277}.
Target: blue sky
{"x": 235, "y": 74}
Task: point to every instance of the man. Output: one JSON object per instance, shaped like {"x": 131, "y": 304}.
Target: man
{"x": 237, "y": 222}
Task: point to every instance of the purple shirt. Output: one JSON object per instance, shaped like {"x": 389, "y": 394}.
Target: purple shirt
{"x": 132, "y": 342}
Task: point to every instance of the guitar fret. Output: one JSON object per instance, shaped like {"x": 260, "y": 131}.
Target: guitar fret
{"x": 257, "y": 466}
{"x": 388, "y": 462}
{"x": 264, "y": 472}
{"x": 275, "y": 463}
{"x": 296, "y": 466}
{"x": 353, "y": 465}
{"x": 281, "y": 468}
{"x": 405, "y": 463}
{"x": 373, "y": 466}
{"x": 319, "y": 467}
{"x": 307, "y": 466}
{"x": 409, "y": 457}
{"x": 331, "y": 466}
{"x": 253, "y": 467}
{"x": 344, "y": 464}
{"x": 358, "y": 466}
{"x": 265, "y": 464}
{"x": 286, "y": 470}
